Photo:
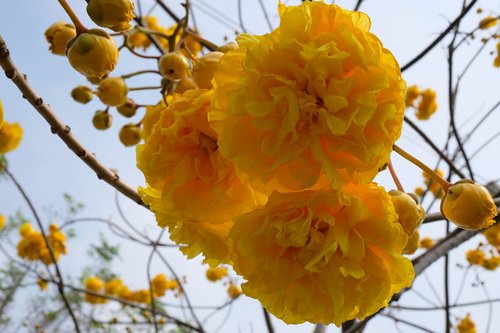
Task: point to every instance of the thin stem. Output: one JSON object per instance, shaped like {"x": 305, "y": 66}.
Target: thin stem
{"x": 144, "y": 88}
{"x": 444, "y": 184}
{"x": 269, "y": 323}
{"x": 126, "y": 76}
{"x": 80, "y": 28}
{"x": 395, "y": 177}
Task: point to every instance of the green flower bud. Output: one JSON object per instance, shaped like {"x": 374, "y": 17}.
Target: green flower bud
{"x": 82, "y": 94}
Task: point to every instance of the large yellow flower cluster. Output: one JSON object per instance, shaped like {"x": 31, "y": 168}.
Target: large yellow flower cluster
{"x": 32, "y": 246}
{"x": 270, "y": 167}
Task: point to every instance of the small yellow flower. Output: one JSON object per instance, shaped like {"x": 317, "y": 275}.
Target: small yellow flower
{"x": 94, "y": 284}
{"x": 427, "y": 105}
{"x": 475, "y": 257}
{"x": 204, "y": 69}
{"x": 434, "y": 186}
{"x": 142, "y": 296}
{"x": 113, "y": 287}
{"x": 82, "y": 94}
{"x": 427, "y": 243}
{"x": 93, "y": 53}
{"x": 160, "y": 285}
{"x": 488, "y": 22}
{"x": 10, "y": 136}
{"x": 58, "y": 36}
{"x": 102, "y": 120}
{"x": 412, "y": 244}
{"x": 139, "y": 39}
{"x": 410, "y": 213}
{"x": 173, "y": 66}
{"x": 112, "y": 91}
{"x": 412, "y": 93}
{"x": 233, "y": 291}
{"x": 419, "y": 191}
{"x": 492, "y": 235}
{"x": 466, "y": 325}
{"x": 112, "y": 14}
{"x": 469, "y": 205}
{"x": 25, "y": 229}
{"x": 130, "y": 135}
{"x": 491, "y": 263}
{"x": 42, "y": 284}
{"x": 216, "y": 273}
{"x": 3, "y": 221}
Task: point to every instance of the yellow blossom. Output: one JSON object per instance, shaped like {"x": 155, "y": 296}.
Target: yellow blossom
{"x": 204, "y": 69}
{"x": 233, "y": 291}
{"x": 413, "y": 242}
{"x": 112, "y": 14}
{"x": 410, "y": 213}
{"x": 412, "y": 93}
{"x": 469, "y": 205}
{"x": 492, "y": 235}
{"x": 427, "y": 243}
{"x": 113, "y": 287}
{"x": 125, "y": 293}
{"x": 475, "y": 257}
{"x": 184, "y": 84}
{"x": 10, "y": 136}
{"x": 491, "y": 263}
{"x": 160, "y": 285}
{"x": 320, "y": 94}
{"x": 142, "y": 296}
{"x": 434, "y": 186}
{"x": 190, "y": 42}
{"x": 3, "y": 221}
{"x": 466, "y": 325}
{"x": 42, "y": 284}
{"x": 93, "y": 53}
{"x": 139, "y": 39}
{"x": 58, "y": 35}
{"x": 93, "y": 283}
{"x": 427, "y": 105}
{"x": 338, "y": 251}
{"x": 112, "y": 91}
{"x": 216, "y": 273}
{"x": 488, "y": 22}
{"x": 419, "y": 191}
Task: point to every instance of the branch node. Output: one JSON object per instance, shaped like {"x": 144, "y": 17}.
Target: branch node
{"x": 38, "y": 102}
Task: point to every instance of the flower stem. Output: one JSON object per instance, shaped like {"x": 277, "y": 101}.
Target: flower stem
{"x": 395, "y": 177}
{"x": 437, "y": 178}
{"x": 80, "y": 28}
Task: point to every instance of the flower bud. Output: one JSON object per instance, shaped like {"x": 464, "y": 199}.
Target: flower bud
{"x": 102, "y": 120}
{"x": 82, "y": 94}
{"x": 234, "y": 291}
{"x": 427, "y": 243}
{"x": 412, "y": 244}
{"x": 128, "y": 109}
{"x": 112, "y": 91}
{"x": 410, "y": 213}
{"x": 58, "y": 35}
{"x": 139, "y": 39}
{"x": 469, "y": 205}
{"x": 204, "y": 69}
{"x": 491, "y": 263}
{"x": 112, "y": 14}
{"x": 93, "y": 53}
{"x": 173, "y": 66}
{"x": 475, "y": 257}
{"x": 130, "y": 135}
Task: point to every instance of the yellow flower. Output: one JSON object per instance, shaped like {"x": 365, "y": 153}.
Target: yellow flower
{"x": 190, "y": 42}
{"x": 112, "y": 91}
{"x": 82, "y": 94}
{"x": 434, "y": 186}
{"x": 125, "y": 293}
{"x": 412, "y": 93}
{"x": 130, "y": 135}
{"x": 466, "y": 325}
{"x": 475, "y": 257}
{"x": 58, "y": 36}
{"x": 488, "y": 22}
{"x": 491, "y": 263}
{"x": 204, "y": 69}
{"x": 216, "y": 273}
{"x": 10, "y": 136}
{"x": 319, "y": 93}
{"x": 184, "y": 84}
{"x": 93, "y": 53}
{"x": 412, "y": 244}
{"x": 139, "y": 39}
{"x": 338, "y": 251}
{"x": 25, "y": 229}
{"x": 3, "y": 221}
{"x": 113, "y": 287}
{"x": 93, "y": 283}
{"x": 427, "y": 105}
{"x": 233, "y": 291}
{"x": 410, "y": 213}
{"x": 419, "y": 191}
{"x": 427, "y": 243}
{"x": 492, "y": 235}
{"x": 160, "y": 285}
{"x": 142, "y": 296}
{"x": 42, "y": 284}
{"x": 112, "y": 14}
{"x": 469, "y": 205}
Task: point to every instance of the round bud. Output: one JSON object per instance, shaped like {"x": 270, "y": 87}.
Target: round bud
{"x": 93, "y": 53}
{"x": 173, "y": 66}
{"x": 130, "y": 135}
{"x": 129, "y": 109}
{"x": 112, "y": 91}
{"x": 112, "y": 14}
{"x": 102, "y": 120}
{"x": 82, "y": 94}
